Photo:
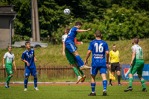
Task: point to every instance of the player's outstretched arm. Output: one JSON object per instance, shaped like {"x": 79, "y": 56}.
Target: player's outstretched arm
{"x": 79, "y": 30}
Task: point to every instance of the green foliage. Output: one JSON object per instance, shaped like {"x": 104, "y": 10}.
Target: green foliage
{"x": 116, "y": 19}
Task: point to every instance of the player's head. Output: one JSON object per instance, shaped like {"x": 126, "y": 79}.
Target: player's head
{"x": 78, "y": 24}
{"x": 98, "y": 34}
{"x": 135, "y": 40}
{"x": 114, "y": 47}
{"x": 27, "y": 45}
{"x": 9, "y": 48}
{"x": 66, "y": 30}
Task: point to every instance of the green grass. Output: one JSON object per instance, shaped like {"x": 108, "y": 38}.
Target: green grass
{"x": 52, "y": 55}
{"x": 71, "y": 92}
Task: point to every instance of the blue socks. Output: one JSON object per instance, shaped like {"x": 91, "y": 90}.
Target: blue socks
{"x": 104, "y": 82}
{"x": 25, "y": 82}
{"x": 35, "y": 82}
{"x": 79, "y": 60}
{"x": 93, "y": 85}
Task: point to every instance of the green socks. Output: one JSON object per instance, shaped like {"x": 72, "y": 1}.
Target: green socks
{"x": 143, "y": 83}
{"x": 130, "y": 81}
{"x": 76, "y": 71}
{"x": 8, "y": 79}
{"x": 81, "y": 72}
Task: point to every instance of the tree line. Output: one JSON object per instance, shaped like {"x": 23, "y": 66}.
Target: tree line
{"x": 116, "y": 19}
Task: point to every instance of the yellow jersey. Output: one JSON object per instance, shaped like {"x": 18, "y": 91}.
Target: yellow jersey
{"x": 114, "y": 56}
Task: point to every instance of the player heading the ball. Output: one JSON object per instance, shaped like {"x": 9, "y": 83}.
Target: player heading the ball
{"x": 71, "y": 47}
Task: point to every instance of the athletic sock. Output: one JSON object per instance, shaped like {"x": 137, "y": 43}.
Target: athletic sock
{"x": 119, "y": 79}
{"x": 130, "y": 82}
{"x": 110, "y": 81}
{"x": 93, "y": 85}
{"x": 25, "y": 82}
{"x": 81, "y": 72}
{"x": 143, "y": 83}
{"x": 79, "y": 61}
{"x": 75, "y": 69}
{"x": 8, "y": 79}
{"x": 35, "y": 82}
{"x": 104, "y": 83}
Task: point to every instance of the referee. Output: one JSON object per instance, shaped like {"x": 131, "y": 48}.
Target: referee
{"x": 115, "y": 65}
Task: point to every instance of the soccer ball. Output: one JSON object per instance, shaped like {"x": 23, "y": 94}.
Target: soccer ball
{"x": 66, "y": 11}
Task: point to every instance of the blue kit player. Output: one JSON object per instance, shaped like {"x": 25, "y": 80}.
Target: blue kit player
{"x": 71, "y": 47}
{"x": 28, "y": 57}
{"x": 100, "y": 60}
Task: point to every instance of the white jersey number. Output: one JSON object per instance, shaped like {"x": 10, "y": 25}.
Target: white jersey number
{"x": 99, "y": 47}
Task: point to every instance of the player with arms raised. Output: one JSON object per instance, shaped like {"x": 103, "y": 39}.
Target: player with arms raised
{"x": 28, "y": 57}
{"x": 100, "y": 60}
{"x": 136, "y": 65}
{"x": 71, "y": 47}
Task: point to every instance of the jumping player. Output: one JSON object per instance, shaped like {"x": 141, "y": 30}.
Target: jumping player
{"x": 72, "y": 61}
{"x": 71, "y": 47}
{"x": 136, "y": 65}
{"x": 8, "y": 63}
{"x": 28, "y": 57}
{"x": 100, "y": 60}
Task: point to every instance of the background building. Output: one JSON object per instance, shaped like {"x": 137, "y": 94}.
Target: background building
{"x": 7, "y": 15}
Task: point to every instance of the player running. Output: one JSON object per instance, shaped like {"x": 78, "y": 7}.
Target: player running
{"x": 100, "y": 58}
{"x": 71, "y": 47}
{"x": 28, "y": 57}
{"x": 72, "y": 61}
{"x": 8, "y": 63}
{"x": 115, "y": 65}
{"x": 136, "y": 65}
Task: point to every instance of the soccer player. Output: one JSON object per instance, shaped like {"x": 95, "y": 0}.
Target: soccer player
{"x": 28, "y": 57}
{"x": 136, "y": 65}
{"x": 72, "y": 61}
{"x": 8, "y": 63}
{"x": 71, "y": 47}
{"x": 115, "y": 65}
{"x": 100, "y": 61}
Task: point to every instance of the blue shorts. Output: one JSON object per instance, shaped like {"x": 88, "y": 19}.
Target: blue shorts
{"x": 102, "y": 70}
{"x": 71, "y": 47}
{"x": 31, "y": 71}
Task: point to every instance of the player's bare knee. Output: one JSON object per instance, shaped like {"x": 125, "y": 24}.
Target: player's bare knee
{"x": 75, "y": 53}
{"x": 26, "y": 77}
{"x": 11, "y": 75}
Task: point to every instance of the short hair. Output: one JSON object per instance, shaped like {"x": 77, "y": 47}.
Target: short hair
{"x": 136, "y": 40}
{"x": 114, "y": 44}
{"x": 27, "y": 42}
{"x": 98, "y": 34}
{"x": 9, "y": 46}
{"x": 67, "y": 30}
{"x": 78, "y": 23}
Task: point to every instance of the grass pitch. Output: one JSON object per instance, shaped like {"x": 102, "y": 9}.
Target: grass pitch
{"x": 70, "y": 92}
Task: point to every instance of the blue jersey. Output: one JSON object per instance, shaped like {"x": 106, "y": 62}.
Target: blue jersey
{"x": 71, "y": 35}
{"x": 98, "y": 48}
{"x": 29, "y": 57}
